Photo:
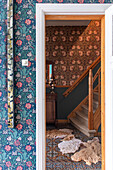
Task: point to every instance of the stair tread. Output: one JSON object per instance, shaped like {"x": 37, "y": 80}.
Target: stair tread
{"x": 78, "y": 123}
{"x": 82, "y": 114}
{"x": 95, "y": 101}
{"x": 80, "y": 126}
{"x": 85, "y": 106}
{"x": 95, "y": 92}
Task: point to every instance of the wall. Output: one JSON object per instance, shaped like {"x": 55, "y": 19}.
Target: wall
{"x": 72, "y": 49}
{"x": 65, "y": 105}
{"x": 17, "y": 146}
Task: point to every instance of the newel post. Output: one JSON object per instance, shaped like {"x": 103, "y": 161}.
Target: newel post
{"x": 90, "y": 110}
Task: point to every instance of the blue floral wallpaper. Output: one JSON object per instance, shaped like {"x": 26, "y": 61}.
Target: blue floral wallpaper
{"x": 18, "y": 145}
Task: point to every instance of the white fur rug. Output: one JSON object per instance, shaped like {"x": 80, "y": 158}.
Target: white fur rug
{"x": 70, "y": 146}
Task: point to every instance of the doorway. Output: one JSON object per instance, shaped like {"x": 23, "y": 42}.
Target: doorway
{"x": 73, "y": 47}
{"x": 41, "y": 69}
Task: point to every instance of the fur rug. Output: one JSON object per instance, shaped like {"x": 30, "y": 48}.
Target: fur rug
{"x": 61, "y": 133}
{"x": 69, "y": 146}
{"x": 90, "y": 154}
{"x": 67, "y": 138}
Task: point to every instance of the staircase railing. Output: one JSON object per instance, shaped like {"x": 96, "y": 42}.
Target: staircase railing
{"x": 75, "y": 84}
{"x": 90, "y": 109}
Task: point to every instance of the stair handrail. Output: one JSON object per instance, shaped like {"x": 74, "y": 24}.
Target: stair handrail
{"x": 85, "y": 73}
{"x": 90, "y": 109}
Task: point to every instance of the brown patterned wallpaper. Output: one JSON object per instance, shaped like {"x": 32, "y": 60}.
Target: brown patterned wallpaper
{"x": 72, "y": 49}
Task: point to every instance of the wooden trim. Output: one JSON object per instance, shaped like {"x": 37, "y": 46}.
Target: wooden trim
{"x": 99, "y": 89}
{"x": 82, "y": 102}
{"x": 98, "y": 134}
{"x": 103, "y": 90}
{"x": 72, "y": 114}
{"x": 48, "y": 86}
{"x": 102, "y": 58}
{"x": 96, "y": 75}
{"x": 62, "y": 86}
{"x": 90, "y": 110}
{"x": 73, "y": 17}
{"x": 61, "y": 121}
{"x": 97, "y": 118}
{"x": 75, "y": 84}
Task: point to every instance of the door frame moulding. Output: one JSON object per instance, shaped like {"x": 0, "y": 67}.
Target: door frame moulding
{"x": 44, "y": 11}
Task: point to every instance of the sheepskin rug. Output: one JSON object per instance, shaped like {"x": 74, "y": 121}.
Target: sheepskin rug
{"x": 61, "y": 133}
{"x": 89, "y": 151}
{"x": 90, "y": 154}
{"x": 69, "y": 146}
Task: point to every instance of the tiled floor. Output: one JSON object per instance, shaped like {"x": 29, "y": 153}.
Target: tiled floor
{"x": 56, "y": 161}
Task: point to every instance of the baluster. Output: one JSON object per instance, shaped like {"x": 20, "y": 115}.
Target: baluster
{"x": 90, "y": 111}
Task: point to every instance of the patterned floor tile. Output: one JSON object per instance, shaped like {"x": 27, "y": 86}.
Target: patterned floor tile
{"x": 56, "y": 161}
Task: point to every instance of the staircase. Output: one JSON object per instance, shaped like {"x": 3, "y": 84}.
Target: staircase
{"x": 86, "y": 117}
{"x": 79, "y": 116}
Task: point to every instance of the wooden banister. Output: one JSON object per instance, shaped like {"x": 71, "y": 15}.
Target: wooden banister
{"x": 91, "y": 115}
{"x": 75, "y": 84}
{"x": 90, "y": 110}
{"x": 97, "y": 74}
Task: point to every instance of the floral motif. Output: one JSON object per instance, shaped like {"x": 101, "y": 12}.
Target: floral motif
{"x": 19, "y": 126}
{"x": 17, "y": 59}
{"x": 8, "y": 164}
{"x": 0, "y": 93}
{"x": 28, "y": 147}
{"x": 28, "y": 79}
{"x": 16, "y": 16}
{"x": 28, "y": 21}
{"x": 28, "y": 121}
{"x": 19, "y": 168}
{"x": 17, "y": 100}
{"x": 28, "y": 37}
{"x": 0, "y": 127}
{"x": 19, "y": 42}
{"x": 7, "y": 148}
{"x": 19, "y": 1}
{"x": 39, "y": 1}
{"x": 17, "y": 142}
{"x": 28, "y": 105}
{"x": 19, "y": 84}
{"x": 81, "y": 1}
{"x": 29, "y": 163}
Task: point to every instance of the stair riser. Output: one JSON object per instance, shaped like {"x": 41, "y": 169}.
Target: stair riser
{"x": 95, "y": 105}
{"x": 95, "y": 96}
{"x": 83, "y": 121}
{"x": 85, "y": 110}
{"x": 82, "y": 130}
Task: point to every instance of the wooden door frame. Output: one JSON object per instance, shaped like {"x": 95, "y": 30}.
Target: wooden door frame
{"x": 62, "y": 12}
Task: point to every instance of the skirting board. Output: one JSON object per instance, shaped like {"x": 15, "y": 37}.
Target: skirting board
{"x": 61, "y": 121}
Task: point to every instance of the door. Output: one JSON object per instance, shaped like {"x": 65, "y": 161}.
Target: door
{"x": 109, "y": 88}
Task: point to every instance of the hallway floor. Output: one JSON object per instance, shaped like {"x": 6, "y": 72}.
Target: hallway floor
{"x": 56, "y": 161}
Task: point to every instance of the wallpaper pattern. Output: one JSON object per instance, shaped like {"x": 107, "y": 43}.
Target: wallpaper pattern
{"x": 17, "y": 146}
{"x": 72, "y": 49}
